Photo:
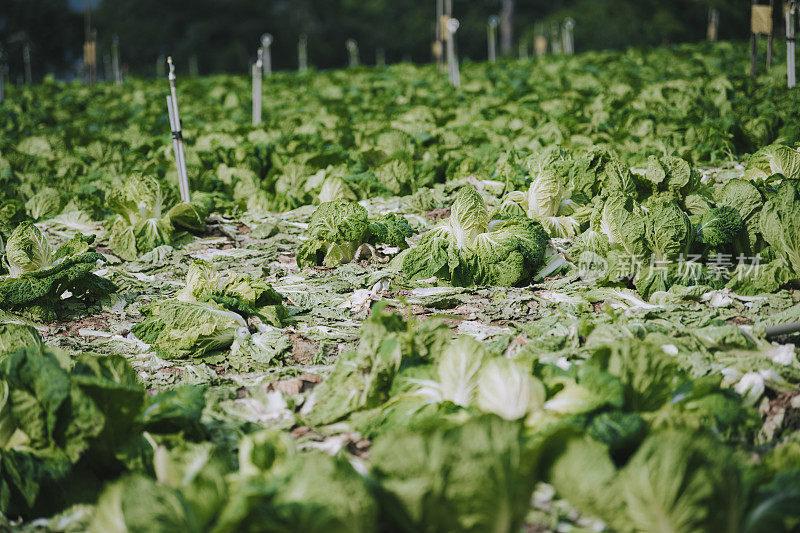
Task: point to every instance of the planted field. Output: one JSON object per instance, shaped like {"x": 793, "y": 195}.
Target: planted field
{"x": 562, "y": 297}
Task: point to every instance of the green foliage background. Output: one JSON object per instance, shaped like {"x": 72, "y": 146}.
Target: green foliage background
{"x": 223, "y": 34}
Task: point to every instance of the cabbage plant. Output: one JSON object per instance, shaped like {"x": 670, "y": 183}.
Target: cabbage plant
{"x": 469, "y": 249}
{"x": 39, "y": 276}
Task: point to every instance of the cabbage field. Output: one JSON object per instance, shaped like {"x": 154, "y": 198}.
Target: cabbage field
{"x": 553, "y": 299}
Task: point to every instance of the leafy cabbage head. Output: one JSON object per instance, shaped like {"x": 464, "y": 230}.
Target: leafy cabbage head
{"x": 27, "y": 250}
{"x": 468, "y": 217}
{"x": 780, "y": 223}
{"x": 507, "y": 389}
{"x": 544, "y": 195}
{"x": 669, "y": 233}
{"x": 45, "y": 203}
{"x": 774, "y": 159}
{"x": 138, "y": 199}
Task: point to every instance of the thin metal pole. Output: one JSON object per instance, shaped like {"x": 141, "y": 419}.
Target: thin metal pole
{"x": 713, "y": 24}
{"x": 452, "y": 27}
{"x": 115, "y": 60}
{"x": 569, "y": 40}
{"x": 266, "y": 42}
{"x": 175, "y": 129}
{"x": 177, "y": 135}
{"x": 302, "y": 53}
{"x": 257, "y": 75}
{"x": 352, "y": 52}
{"x": 491, "y": 37}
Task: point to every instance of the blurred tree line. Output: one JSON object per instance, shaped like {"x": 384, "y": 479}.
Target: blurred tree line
{"x": 224, "y": 34}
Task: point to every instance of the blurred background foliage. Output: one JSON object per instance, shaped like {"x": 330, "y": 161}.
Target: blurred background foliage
{"x": 224, "y": 34}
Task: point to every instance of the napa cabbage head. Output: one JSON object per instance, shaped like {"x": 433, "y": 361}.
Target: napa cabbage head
{"x": 140, "y": 224}
{"x": 27, "y": 250}
{"x": 774, "y": 159}
{"x": 509, "y": 253}
{"x": 335, "y": 232}
{"x": 780, "y": 224}
{"x": 718, "y": 227}
{"x": 469, "y": 217}
{"x": 468, "y": 249}
{"x": 547, "y": 203}
{"x": 44, "y": 204}
{"x": 668, "y": 231}
{"x": 507, "y": 388}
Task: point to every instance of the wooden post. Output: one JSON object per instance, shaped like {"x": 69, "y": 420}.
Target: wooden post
{"x": 506, "y": 27}
{"x": 760, "y": 24}
{"x": 380, "y": 57}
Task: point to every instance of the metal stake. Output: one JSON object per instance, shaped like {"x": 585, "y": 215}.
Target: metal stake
{"x": 177, "y": 136}
{"x": 452, "y": 61}
{"x": 115, "y": 60}
{"x": 352, "y": 52}
{"x": 491, "y": 37}
{"x": 266, "y": 42}
{"x": 713, "y": 24}
{"x": 257, "y": 76}
{"x": 302, "y": 53}
{"x": 569, "y": 41}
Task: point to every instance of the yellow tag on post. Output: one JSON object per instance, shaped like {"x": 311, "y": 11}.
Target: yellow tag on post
{"x": 761, "y": 19}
